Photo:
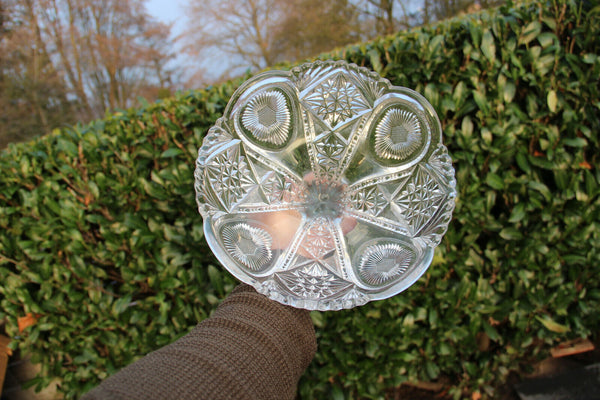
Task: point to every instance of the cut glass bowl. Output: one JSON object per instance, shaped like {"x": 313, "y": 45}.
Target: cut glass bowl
{"x": 325, "y": 187}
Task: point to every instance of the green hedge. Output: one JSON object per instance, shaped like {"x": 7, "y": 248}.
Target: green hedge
{"x": 101, "y": 240}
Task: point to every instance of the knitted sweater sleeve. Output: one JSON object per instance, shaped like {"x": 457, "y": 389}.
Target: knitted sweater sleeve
{"x": 251, "y": 348}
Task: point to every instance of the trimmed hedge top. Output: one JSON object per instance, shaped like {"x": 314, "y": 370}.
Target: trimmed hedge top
{"x": 101, "y": 241}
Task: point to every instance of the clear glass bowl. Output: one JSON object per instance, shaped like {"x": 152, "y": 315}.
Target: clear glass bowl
{"x": 325, "y": 187}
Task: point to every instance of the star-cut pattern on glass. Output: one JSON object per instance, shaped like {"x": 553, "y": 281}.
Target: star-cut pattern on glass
{"x": 336, "y": 100}
{"x": 369, "y": 200}
{"x": 277, "y": 188}
{"x": 318, "y": 240}
{"x": 419, "y": 199}
{"x": 329, "y": 150}
{"x": 230, "y": 176}
{"x": 312, "y": 282}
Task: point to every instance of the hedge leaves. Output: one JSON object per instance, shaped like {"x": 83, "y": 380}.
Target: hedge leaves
{"x": 100, "y": 239}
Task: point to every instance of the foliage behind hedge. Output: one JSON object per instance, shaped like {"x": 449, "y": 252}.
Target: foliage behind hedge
{"x": 101, "y": 241}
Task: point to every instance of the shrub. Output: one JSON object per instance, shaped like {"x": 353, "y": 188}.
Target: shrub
{"x": 102, "y": 243}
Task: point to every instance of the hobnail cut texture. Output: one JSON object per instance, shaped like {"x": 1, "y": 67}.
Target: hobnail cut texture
{"x": 325, "y": 187}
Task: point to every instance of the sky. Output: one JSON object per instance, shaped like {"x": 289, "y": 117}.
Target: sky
{"x": 167, "y": 11}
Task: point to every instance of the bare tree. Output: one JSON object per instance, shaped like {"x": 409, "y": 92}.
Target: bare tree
{"x": 33, "y": 96}
{"x": 383, "y": 14}
{"x": 109, "y": 49}
{"x": 233, "y": 33}
{"x": 69, "y": 60}
{"x": 227, "y": 37}
{"x": 310, "y": 27}
{"x": 254, "y": 34}
{"x": 389, "y": 16}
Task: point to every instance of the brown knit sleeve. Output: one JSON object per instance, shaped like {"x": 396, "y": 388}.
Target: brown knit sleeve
{"x": 251, "y": 348}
